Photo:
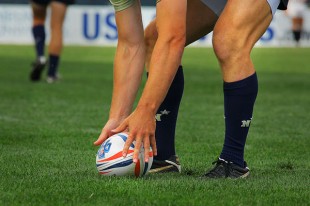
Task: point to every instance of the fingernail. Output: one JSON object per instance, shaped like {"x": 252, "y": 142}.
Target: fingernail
{"x": 146, "y": 160}
{"x": 135, "y": 160}
{"x": 124, "y": 154}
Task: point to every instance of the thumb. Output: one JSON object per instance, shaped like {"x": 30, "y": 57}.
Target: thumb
{"x": 120, "y": 128}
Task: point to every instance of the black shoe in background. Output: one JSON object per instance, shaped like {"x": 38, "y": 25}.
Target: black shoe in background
{"x": 37, "y": 68}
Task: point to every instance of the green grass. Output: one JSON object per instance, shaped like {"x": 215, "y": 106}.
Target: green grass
{"x": 46, "y": 133}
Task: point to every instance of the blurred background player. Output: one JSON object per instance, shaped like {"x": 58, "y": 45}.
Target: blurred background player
{"x": 58, "y": 12}
{"x": 296, "y": 10}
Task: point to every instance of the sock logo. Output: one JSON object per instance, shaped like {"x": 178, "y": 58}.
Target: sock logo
{"x": 246, "y": 123}
{"x": 158, "y": 116}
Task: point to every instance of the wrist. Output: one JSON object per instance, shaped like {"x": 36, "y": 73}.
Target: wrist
{"x": 118, "y": 116}
{"x": 147, "y": 107}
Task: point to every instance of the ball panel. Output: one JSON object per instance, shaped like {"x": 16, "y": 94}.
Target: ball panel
{"x": 124, "y": 166}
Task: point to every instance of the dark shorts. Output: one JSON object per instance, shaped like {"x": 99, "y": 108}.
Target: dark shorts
{"x": 283, "y": 5}
{"x": 46, "y": 2}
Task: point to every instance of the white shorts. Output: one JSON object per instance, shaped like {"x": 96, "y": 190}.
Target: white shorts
{"x": 296, "y": 9}
{"x": 217, "y": 6}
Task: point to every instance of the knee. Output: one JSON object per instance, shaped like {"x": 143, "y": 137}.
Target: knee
{"x": 38, "y": 19}
{"x": 228, "y": 45}
{"x": 38, "y": 22}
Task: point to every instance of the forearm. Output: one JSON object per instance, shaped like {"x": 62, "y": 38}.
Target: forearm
{"x": 167, "y": 53}
{"x": 128, "y": 62}
{"x": 164, "y": 64}
{"x": 171, "y": 23}
{"x": 128, "y": 70}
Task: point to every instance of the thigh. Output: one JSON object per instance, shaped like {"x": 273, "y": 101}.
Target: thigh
{"x": 58, "y": 12}
{"x": 39, "y": 9}
{"x": 200, "y": 20}
{"x": 243, "y": 22}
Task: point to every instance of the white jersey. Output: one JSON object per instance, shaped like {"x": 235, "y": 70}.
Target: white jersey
{"x": 217, "y": 6}
{"x": 300, "y": 1}
{"x": 296, "y": 8}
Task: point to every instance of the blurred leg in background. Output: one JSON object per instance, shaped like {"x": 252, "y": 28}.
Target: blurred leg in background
{"x": 296, "y": 10}
{"x": 58, "y": 13}
{"x": 38, "y": 32}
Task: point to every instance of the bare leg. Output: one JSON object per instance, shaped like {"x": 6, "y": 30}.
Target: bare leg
{"x": 39, "y": 14}
{"x": 57, "y": 18}
{"x": 297, "y": 28}
{"x": 38, "y": 32}
{"x": 200, "y": 21}
{"x": 239, "y": 27}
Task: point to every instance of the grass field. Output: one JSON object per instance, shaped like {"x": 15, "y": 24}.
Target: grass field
{"x": 47, "y": 130}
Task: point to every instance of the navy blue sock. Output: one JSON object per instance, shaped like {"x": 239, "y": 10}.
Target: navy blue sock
{"x": 239, "y": 99}
{"x": 297, "y": 35}
{"x": 166, "y": 118}
{"x": 38, "y": 33}
{"x": 53, "y": 65}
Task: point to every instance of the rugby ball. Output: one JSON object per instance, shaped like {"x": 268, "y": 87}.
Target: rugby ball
{"x": 110, "y": 160}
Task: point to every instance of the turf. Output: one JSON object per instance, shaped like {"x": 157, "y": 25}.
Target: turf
{"x": 47, "y": 130}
